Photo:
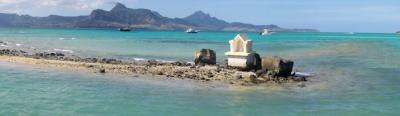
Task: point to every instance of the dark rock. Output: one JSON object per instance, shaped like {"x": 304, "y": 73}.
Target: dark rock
{"x": 205, "y": 57}
{"x": 255, "y": 64}
{"x": 91, "y": 60}
{"x": 60, "y": 54}
{"x": 152, "y": 62}
{"x": 102, "y": 70}
{"x": 299, "y": 79}
{"x": 52, "y": 54}
{"x": 90, "y": 66}
{"x": 179, "y": 63}
{"x": 160, "y": 73}
{"x": 281, "y": 66}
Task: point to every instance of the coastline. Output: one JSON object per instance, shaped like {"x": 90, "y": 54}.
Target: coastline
{"x": 176, "y": 70}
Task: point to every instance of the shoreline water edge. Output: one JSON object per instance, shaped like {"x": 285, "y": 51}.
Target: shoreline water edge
{"x": 178, "y": 70}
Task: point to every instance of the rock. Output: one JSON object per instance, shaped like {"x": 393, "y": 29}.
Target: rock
{"x": 299, "y": 79}
{"x": 152, "y": 62}
{"x": 301, "y": 84}
{"x": 160, "y": 73}
{"x": 280, "y": 66}
{"x": 255, "y": 63}
{"x": 90, "y": 66}
{"x": 249, "y": 77}
{"x": 52, "y": 54}
{"x": 205, "y": 57}
{"x": 237, "y": 76}
{"x": 102, "y": 70}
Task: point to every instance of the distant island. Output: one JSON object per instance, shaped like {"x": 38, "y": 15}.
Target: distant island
{"x": 121, "y": 16}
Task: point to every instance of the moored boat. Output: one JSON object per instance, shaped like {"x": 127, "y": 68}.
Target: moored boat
{"x": 191, "y": 30}
{"x": 124, "y": 29}
{"x": 266, "y": 32}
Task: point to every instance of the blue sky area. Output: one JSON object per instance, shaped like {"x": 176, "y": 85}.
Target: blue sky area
{"x": 325, "y": 15}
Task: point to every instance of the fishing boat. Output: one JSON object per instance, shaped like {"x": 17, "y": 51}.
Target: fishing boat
{"x": 191, "y": 30}
{"x": 266, "y": 32}
{"x": 124, "y": 29}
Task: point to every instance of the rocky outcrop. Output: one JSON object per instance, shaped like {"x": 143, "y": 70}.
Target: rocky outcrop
{"x": 205, "y": 57}
{"x": 277, "y": 65}
{"x": 276, "y": 69}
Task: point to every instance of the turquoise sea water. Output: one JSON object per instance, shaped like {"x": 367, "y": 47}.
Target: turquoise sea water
{"x": 356, "y": 74}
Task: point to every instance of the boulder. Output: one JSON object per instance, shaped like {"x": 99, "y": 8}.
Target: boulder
{"x": 102, "y": 70}
{"x": 299, "y": 79}
{"x": 205, "y": 57}
{"x": 254, "y": 62}
{"x": 249, "y": 77}
{"x": 280, "y": 66}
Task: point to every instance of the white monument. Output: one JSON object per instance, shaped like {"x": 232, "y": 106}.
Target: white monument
{"x": 241, "y": 49}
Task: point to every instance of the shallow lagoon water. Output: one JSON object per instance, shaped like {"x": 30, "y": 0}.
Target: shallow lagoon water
{"x": 357, "y": 74}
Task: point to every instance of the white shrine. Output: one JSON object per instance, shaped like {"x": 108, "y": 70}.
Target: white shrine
{"x": 241, "y": 49}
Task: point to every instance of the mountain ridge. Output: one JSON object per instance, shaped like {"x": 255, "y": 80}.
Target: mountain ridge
{"x": 122, "y": 16}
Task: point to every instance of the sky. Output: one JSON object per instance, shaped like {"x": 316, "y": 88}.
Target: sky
{"x": 324, "y": 15}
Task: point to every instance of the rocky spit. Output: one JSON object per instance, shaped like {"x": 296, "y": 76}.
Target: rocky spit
{"x": 179, "y": 70}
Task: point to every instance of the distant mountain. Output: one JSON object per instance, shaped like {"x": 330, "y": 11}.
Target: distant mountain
{"x": 121, "y": 16}
{"x": 203, "y": 20}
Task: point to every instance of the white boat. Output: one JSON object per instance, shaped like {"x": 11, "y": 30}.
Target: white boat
{"x": 191, "y": 30}
{"x": 266, "y": 32}
{"x": 124, "y": 29}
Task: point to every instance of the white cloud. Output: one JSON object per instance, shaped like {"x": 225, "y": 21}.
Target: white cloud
{"x": 9, "y": 1}
{"x": 46, "y": 7}
{"x": 74, "y": 4}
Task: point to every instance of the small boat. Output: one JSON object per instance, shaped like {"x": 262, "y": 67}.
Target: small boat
{"x": 191, "y": 30}
{"x": 266, "y": 32}
{"x": 124, "y": 29}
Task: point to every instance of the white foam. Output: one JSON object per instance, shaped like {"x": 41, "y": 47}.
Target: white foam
{"x": 163, "y": 61}
{"x": 18, "y": 45}
{"x": 61, "y": 38}
{"x": 302, "y": 74}
{"x": 62, "y": 50}
{"x": 73, "y": 38}
{"x": 191, "y": 62}
{"x": 2, "y": 45}
{"x": 139, "y": 59}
